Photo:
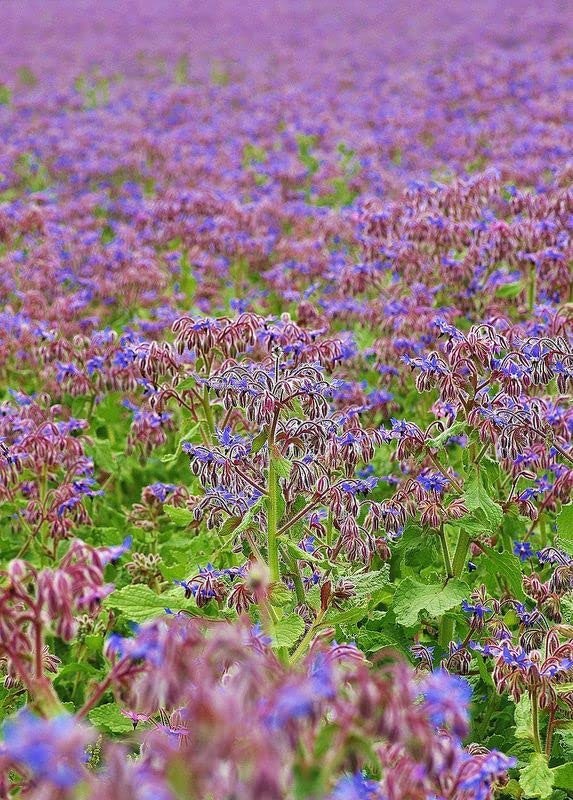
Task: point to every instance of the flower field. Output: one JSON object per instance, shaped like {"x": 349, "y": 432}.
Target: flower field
{"x": 286, "y": 362}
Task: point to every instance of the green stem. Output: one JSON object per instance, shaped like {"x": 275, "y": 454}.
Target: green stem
{"x": 549, "y": 735}
{"x": 543, "y": 529}
{"x": 455, "y": 483}
{"x": 535, "y": 721}
{"x": 208, "y": 411}
{"x": 446, "y": 630}
{"x": 329, "y": 531}
{"x": 446, "y": 553}
{"x": 296, "y": 578}
{"x": 481, "y": 454}
{"x": 454, "y": 571}
{"x": 461, "y": 553}
{"x": 300, "y": 650}
{"x": 272, "y": 519}
{"x": 531, "y": 289}
{"x": 491, "y": 706}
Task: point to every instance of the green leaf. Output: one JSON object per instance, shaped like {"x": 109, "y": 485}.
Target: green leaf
{"x": 412, "y": 597}
{"x": 563, "y": 776}
{"x": 189, "y": 436}
{"x": 509, "y": 290}
{"x": 565, "y": 529}
{"x": 537, "y": 779}
{"x": 180, "y": 516}
{"x": 346, "y": 617}
{"x": 370, "y": 641}
{"x": 478, "y": 500}
{"x": 440, "y": 440}
{"x": 282, "y": 466}
{"x": 504, "y": 565}
{"x": 5, "y": 95}
{"x": 249, "y": 518}
{"x": 110, "y": 718}
{"x": 139, "y": 603}
{"x": 259, "y": 441}
{"x": 104, "y": 457}
{"x": 187, "y": 383}
{"x": 566, "y": 741}
{"x": 280, "y": 595}
{"x": 476, "y": 527}
{"x": 567, "y": 608}
{"x": 522, "y": 716}
{"x": 297, "y": 552}
{"x": 287, "y": 631}
{"x": 368, "y": 583}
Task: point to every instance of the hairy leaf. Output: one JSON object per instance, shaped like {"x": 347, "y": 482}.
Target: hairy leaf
{"x": 536, "y": 778}
{"x": 412, "y": 597}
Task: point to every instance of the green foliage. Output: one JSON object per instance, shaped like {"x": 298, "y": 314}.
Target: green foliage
{"x": 565, "y": 529}
{"x": 180, "y": 516}
{"x": 412, "y": 597}
{"x": 109, "y": 719}
{"x": 287, "y": 631}
{"x": 536, "y": 778}
{"x": 138, "y": 603}
{"x": 502, "y": 570}
{"x": 479, "y": 501}
{"x": 563, "y": 777}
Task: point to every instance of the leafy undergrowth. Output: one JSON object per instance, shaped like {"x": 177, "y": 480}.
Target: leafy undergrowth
{"x": 285, "y": 417}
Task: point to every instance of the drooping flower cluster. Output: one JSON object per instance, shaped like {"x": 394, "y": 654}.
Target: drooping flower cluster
{"x": 220, "y": 711}
{"x": 285, "y": 312}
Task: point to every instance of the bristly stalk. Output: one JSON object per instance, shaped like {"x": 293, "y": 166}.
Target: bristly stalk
{"x": 272, "y": 519}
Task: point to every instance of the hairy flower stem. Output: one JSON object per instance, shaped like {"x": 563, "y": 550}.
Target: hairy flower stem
{"x": 446, "y": 553}
{"x": 562, "y": 452}
{"x": 532, "y": 288}
{"x": 208, "y": 412}
{"x": 101, "y": 688}
{"x": 38, "y": 650}
{"x": 481, "y": 453}
{"x": 269, "y": 619}
{"x": 535, "y": 721}
{"x": 455, "y": 570}
{"x": 329, "y": 528}
{"x": 549, "y": 734}
{"x": 491, "y": 706}
{"x": 273, "y": 491}
{"x": 41, "y": 693}
{"x": 296, "y": 578}
{"x": 543, "y": 530}
{"x": 461, "y": 553}
{"x": 441, "y": 469}
{"x": 308, "y": 637}
{"x": 272, "y": 520}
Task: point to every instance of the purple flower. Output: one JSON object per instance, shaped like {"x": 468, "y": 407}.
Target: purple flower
{"x": 482, "y": 772}
{"x": 478, "y": 610}
{"x": 523, "y": 550}
{"x": 433, "y": 482}
{"x": 355, "y": 787}
{"x": 51, "y": 749}
{"x": 526, "y": 617}
{"x": 258, "y": 637}
{"x": 515, "y": 657}
{"x": 362, "y": 486}
{"x": 110, "y": 554}
{"x": 161, "y": 490}
{"x": 64, "y": 371}
{"x": 67, "y": 505}
{"x": 446, "y": 699}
